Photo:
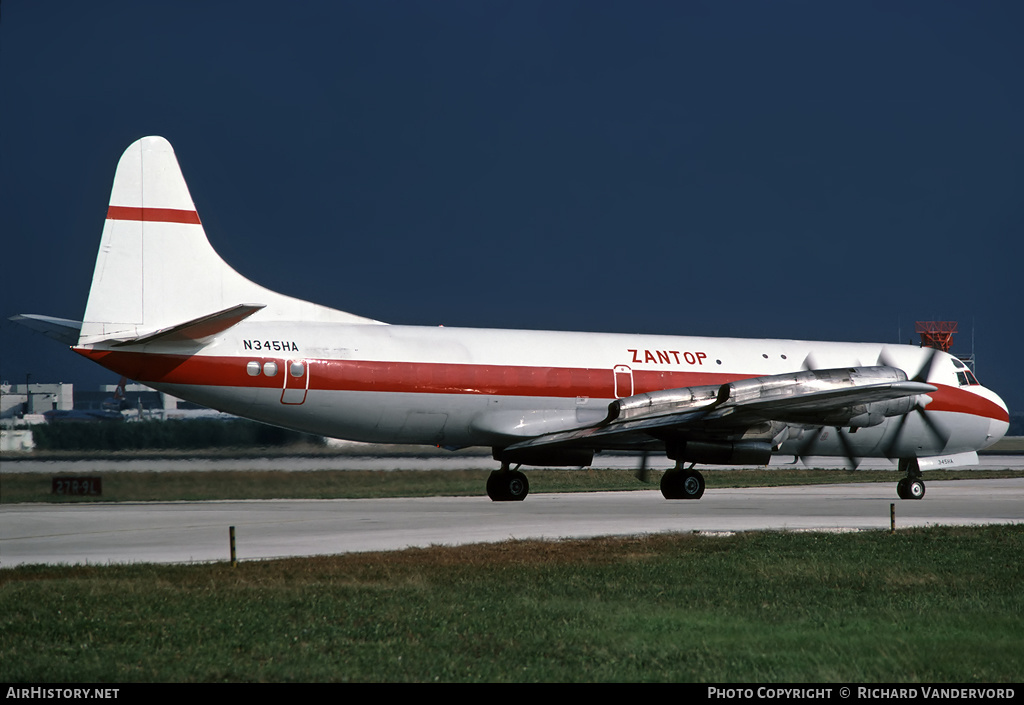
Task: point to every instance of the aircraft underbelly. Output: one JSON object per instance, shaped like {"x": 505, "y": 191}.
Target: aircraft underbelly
{"x": 483, "y": 420}
{"x": 389, "y": 417}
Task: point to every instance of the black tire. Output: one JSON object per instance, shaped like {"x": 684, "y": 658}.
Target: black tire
{"x": 682, "y": 484}
{"x": 494, "y": 486}
{"x": 668, "y": 484}
{"x": 508, "y": 486}
{"x": 901, "y": 489}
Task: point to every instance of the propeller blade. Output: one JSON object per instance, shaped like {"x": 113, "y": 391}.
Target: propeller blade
{"x": 852, "y": 460}
{"x": 923, "y": 373}
{"x": 885, "y": 360}
{"x": 807, "y": 446}
{"x": 809, "y": 362}
{"x": 642, "y": 472}
{"x": 940, "y": 433}
{"x": 890, "y": 450}
{"x": 926, "y": 369}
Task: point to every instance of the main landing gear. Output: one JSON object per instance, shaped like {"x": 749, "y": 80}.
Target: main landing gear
{"x": 682, "y": 483}
{"x": 507, "y": 485}
{"x": 911, "y": 486}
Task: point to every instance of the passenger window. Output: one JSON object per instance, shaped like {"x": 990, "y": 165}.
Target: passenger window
{"x": 297, "y": 369}
{"x": 270, "y": 369}
{"x": 253, "y": 368}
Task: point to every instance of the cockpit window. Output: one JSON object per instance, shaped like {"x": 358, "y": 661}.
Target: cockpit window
{"x": 966, "y": 377}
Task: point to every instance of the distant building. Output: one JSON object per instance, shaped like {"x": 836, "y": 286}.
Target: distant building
{"x": 38, "y": 403}
{"x": 17, "y": 400}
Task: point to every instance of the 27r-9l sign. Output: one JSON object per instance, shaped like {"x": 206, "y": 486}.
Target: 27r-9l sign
{"x": 77, "y": 486}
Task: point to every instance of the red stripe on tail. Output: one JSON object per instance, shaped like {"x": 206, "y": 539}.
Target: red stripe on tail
{"x": 153, "y": 215}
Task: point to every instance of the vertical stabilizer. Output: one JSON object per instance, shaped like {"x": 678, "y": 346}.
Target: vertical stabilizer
{"x": 156, "y": 269}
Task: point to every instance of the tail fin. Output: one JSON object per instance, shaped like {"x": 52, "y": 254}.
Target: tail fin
{"x": 156, "y": 270}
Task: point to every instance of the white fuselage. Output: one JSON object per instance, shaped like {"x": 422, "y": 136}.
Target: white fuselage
{"x": 489, "y": 387}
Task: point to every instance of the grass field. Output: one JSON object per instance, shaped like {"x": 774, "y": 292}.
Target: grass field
{"x": 349, "y": 484}
{"x": 930, "y": 605}
{"x": 933, "y": 605}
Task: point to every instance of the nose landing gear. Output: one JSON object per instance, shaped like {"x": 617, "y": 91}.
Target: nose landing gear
{"x": 911, "y": 486}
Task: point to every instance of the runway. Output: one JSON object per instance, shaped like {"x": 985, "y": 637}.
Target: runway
{"x": 179, "y": 532}
{"x": 385, "y": 462}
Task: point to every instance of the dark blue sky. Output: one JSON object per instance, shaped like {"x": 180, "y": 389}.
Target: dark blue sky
{"x": 821, "y": 170}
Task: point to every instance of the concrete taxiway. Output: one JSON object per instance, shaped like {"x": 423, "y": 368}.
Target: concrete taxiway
{"x": 386, "y": 461}
{"x": 176, "y": 532}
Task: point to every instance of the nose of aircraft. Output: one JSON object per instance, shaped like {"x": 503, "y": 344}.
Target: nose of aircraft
{"x": 998, "y": 423}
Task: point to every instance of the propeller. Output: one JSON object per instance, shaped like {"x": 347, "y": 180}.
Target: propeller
{"x": 940, "y": 434}
{"x": 922, "y": 374}
{"x": 807, "y": 447}
{"x": 884, "y": 358}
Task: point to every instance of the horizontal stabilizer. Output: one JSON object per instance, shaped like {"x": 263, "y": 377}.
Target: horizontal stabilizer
{"x": 198, "y": 330}
{"x": 60, "y": 329}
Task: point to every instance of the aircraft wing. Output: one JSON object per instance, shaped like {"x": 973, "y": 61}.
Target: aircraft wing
{"x": 751, "y": 408}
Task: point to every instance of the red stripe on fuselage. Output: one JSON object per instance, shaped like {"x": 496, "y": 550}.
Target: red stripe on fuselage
{"x": 153, "y": 215}
{"x": 962, "y": 401}
{"x": 449, "y": 378}
{"x": 408, "y": 377}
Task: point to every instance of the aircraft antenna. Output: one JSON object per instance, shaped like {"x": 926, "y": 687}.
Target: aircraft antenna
{"x": 936, "y": 334}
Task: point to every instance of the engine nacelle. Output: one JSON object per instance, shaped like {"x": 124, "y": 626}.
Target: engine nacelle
{"x": 721, "y": 453}
{"x": 876, "y": 412}
{"x": 667, "y": 401}
{"x": 817, "y": 396}
{"x": 553, "y": 457}
{"x": 848, "y": 396}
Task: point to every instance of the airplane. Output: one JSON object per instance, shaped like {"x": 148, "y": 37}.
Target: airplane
{"x": 166, "y": 310}
{"x": 110, "y": 409}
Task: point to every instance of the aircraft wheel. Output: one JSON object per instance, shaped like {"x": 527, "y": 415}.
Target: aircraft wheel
{"x": 915, "y": 489}
{"x": 682, "y": 484}
{"x": 668, "y": 484}
{"x": 507, "y": 486}
{"x": 901, "y": 489}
